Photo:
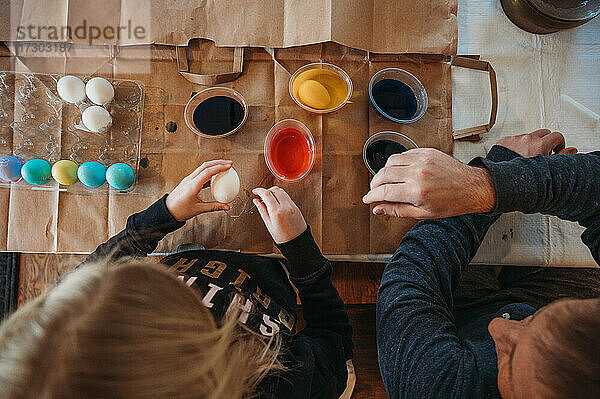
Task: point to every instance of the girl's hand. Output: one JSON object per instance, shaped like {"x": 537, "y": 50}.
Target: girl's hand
{"x": 183, "y": 202}
{"x": 281, "y": 216}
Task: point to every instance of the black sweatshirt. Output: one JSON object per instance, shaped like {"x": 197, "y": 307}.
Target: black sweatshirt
{"x": 428, "y": 350}
{"x": 316, "y": 356}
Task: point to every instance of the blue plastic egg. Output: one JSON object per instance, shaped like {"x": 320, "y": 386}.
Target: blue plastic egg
{"x": 10, "y": 168}
{"x": 92, "y": 174}
{"x": 120, "y": 176}
{"x": 36, "y": 171}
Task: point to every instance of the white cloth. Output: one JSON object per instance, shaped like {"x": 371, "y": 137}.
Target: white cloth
{"x": 535, "y": 73}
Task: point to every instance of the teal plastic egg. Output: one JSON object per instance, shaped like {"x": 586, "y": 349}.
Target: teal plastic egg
{"x": 92, "y": 174}
{"x": 36, "y": 171}
{"x": 120, "y": 176}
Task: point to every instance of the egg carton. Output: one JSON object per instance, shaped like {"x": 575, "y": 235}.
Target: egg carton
{"x": 36, "y": 123}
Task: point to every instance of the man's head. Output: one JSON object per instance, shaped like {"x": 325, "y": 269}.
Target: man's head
{"x": 554, "y": 353}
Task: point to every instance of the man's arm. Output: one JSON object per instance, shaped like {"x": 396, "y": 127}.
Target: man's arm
{"x": 567, "y": 186}
{"x": 427, "y": 184}
{"x": 419, "y": 350}
{"x": 420, "y": 354}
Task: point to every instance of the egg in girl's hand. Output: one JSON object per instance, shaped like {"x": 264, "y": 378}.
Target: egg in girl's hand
{"x": 10, "y": 168}
{"x": 36, "y": 171}
{"x": 96, "y": 118}
{"x": 65, "y": 172}
{"x": 92, "y": 174}
{"x": 120, "y": 176}
{"x": 225, "y": 186}
{"x": 71, "y": 89}
{"x": 99, "y": 91}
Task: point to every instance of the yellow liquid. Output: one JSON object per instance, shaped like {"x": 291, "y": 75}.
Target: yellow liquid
{"x": 334, "y": 84}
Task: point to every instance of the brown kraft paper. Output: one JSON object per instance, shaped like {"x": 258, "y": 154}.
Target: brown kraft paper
{"x": 330, "y": 197}
{"x": 382, "y": 26}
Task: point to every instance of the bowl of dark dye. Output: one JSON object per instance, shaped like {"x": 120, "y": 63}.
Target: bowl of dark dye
{"x": 380, "y": 146}
{"x": 398, "y": 95}
{"x": 216, "y": 112}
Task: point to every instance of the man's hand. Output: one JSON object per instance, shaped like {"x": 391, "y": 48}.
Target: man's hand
{"x": 425, "y": 183}
{"x": 280, "y": 214}
{"x": 183, "y": 202}
{"x": 542, "y": 141}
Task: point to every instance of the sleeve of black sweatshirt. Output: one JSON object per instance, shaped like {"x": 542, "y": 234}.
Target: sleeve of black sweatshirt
{"x": 325, "y": 344}
{"x": 141, "y": 234}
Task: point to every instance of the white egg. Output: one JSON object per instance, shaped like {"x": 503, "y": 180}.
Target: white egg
{"x": 225, "y": 186}
{"x": 71, "y": 89}
{"x": 96, "y": 118}
{"x": 99, "y": 91}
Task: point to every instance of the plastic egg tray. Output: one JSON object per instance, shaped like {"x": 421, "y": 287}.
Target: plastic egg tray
{"x": 36, "y": 123}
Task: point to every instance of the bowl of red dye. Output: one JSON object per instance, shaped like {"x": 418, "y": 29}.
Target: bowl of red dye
{"x": 216, "y": 112}
{"x": 290, "y": 150}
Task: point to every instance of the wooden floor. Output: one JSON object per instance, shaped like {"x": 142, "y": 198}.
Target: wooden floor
{"x": 357, "y": 284}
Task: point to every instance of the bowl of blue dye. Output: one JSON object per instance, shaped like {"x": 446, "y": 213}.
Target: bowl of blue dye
{"x": 398, "y": 95}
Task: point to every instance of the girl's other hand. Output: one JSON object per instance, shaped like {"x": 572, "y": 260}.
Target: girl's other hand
{"x": 184, "y": 203}
{"x": 281, "y": 215}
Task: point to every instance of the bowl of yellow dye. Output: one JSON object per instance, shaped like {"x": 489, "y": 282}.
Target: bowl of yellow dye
{"x": 320, "y": 87}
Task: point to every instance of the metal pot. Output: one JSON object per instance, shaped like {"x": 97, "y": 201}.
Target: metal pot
{"x": 549, "y": 16}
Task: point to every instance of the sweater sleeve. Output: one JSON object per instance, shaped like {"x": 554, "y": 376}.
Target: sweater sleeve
{"x": 420, "y": 353}
{"x": 567, "y": 186}
{"x": 325, "y": 344}
{"x": 141, "y": 235}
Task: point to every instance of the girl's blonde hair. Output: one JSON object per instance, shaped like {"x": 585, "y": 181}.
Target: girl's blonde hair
{"x": 128, "y": 330}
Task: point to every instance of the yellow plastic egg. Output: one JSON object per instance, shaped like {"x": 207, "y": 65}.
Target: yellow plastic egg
{"x": 65, "y": 172}
{"x": 313, "y": 94}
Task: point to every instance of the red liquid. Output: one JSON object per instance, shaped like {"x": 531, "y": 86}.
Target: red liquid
{"x": 290, "y": 153}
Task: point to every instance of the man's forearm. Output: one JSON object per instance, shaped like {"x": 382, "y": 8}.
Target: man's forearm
{"x": 483, "y": 192}
{"x": 567, "y": 186}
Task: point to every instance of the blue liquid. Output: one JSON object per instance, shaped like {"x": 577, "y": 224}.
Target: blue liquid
{"x": 395, "y": 99}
